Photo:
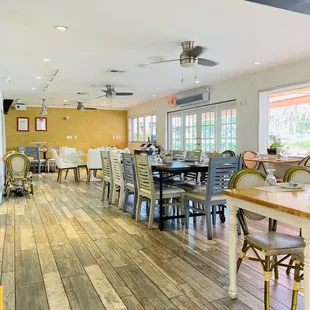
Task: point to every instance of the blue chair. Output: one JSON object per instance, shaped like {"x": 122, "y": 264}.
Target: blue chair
{"x": 37, "y": 163}
{"x": 203, "y": 201}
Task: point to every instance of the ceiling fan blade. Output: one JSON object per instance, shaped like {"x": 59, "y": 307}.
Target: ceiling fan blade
{"x": 207, "y": 62}
{"x": 100, "y": 96}
{"x": 195, "y": 52}
{"x": 124, "y": 94}
{"x": 160, "y": 62}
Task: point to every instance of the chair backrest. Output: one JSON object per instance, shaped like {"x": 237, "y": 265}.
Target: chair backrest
{"x": 194, "y": 155}
{"x": 94, "y": 159}
{"x": 305, "y": 161}
{"x": 9, "y": 153}
{"x": 129, "y": 169}
{"x": 116, "y": 167}
{"x": 145, "y": 183}
{"x": 56, "y": 157}
{"x": 248, "y": 178}
{"x": 17, "y": 164}
{"x": 106, "y": 164}
{"x": 32, "y": 151}
{"x": 176, "y": 154}
{"x": 221, "y": 169}
{"x": 228, "y": 153}
{"x": 246, "y": 162}
{"x": 216, "y": 154}
{"x": 297, "y": 174}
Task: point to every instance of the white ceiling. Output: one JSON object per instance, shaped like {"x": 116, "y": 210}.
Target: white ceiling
{"x": 122, "y": 34}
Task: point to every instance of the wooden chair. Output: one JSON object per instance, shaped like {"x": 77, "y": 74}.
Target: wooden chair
{"x": 36, "y": 162}
{"x": 305, "y": 161}
{"x": 147, "y": 189}
{"x": 18, "y": 166}
{"x": 219, "y": 174}
{"x": 298, "y": 258}
{"x": 176, "y": 154}
{"x": 272, "y": 244}
{"x": 130, "y": 181}
{"x": 246, "y": 162}
{"x": 64, "y": 165}
{"x": 106, "y": 174}
{"x": 118, "y": 178}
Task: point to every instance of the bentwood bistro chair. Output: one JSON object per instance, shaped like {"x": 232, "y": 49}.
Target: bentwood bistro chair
{"x": 271, "y": 244}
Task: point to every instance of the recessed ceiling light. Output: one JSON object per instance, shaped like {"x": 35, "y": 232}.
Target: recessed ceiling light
{"x": 256, "y": 63}
{"x": 38, "y": 78}
{"x": 197, "y": 82}
{"x": 154, "y": 95}
{"x": 33, "y": 88}
{"x": 61, "y": 28}
{"x": 46, "y": 59}
{"x": 7, "y": 79}
{"x": 104, "y": 102}
{"x": 65, "y": 100}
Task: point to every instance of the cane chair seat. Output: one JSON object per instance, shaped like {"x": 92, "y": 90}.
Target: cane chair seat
{"x": 18, "y": 176}
{"x": 299, "y": 255}
{"x": 275, "y": 243}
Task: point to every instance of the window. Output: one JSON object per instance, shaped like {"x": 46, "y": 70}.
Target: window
{"x": 210, "y": 128}
{"x": 142, "y": 128}
{"x": 289, "y": 119}
{"x": 228, "y": 129}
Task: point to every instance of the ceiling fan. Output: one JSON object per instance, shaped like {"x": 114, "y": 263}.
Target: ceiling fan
{"x": 111, "y": 93}
{"x": 190, "y": 56}
{"x": 80, "y": 106}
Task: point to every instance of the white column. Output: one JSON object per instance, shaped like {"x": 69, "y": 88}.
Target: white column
{"x": 233, "y": 235}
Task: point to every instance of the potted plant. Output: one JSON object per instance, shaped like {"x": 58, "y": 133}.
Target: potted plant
{"x": 275, "y": 146}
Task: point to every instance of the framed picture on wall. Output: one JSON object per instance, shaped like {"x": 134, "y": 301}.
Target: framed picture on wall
{"x": 41, "y": 124}
{"x": 22, "y": 123}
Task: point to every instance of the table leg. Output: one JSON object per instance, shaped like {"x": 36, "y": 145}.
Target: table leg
{"x": 306, "y": 235}
{"x": 233, "y": 235}
{"x": 161, "y": 208}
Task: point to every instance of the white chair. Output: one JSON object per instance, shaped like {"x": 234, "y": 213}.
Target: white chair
{"x": 64, "y": 165}
{"x": 106, "y": 174}
{"x": 147, "y": 189}
{"x": 75, "y": 159}
{"x": 93, "y": 162}
{"x": 117, "y": 179}
{"x": 297, "y": 174}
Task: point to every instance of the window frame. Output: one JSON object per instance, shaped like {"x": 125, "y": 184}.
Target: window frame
{"x": 131, "y": 130}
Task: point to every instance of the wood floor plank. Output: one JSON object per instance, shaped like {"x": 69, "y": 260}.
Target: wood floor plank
{"x": 144, "y": 289}
{"x": 39, "y": 233}
{"x": 27, "y": 267}
{"x": 162, "y": 267}
{"x": 194, "y": 278}
{"x": 56, "y": 235}
{"x": 113, "y": 253}
{"x": 81, "y": 293}
{"x": 107, "y": 228}
{"x": 31, "y": 296}
{"x": 24, "y": 239}
{"x": 69, "y": 229}
{"x": 81, "y": 216}
{"x": 46, "y": 258}
{"x": 94, "y": 231}
{"x": 184, "y": 303}
{"x": 67, "y": 262}
{"x": 8, "y": 283}
{"x": 228, "y": 304}
{"x": 82, "y": 252}
{"x": 56, "y": 296}
{"x": 106, "y": 292}
{"x": 132, "y": 303}
{"x": 116, "y": 281}
{"x": 8, "y": 264}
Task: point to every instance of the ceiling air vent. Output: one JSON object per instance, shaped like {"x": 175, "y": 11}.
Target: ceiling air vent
{"x": 117, "y": 71}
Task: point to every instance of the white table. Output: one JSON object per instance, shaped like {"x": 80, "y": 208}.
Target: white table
{"x": 292, "y": 208}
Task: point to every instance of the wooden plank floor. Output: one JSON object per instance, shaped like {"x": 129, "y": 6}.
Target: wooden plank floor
{"x": 66, "y": 249}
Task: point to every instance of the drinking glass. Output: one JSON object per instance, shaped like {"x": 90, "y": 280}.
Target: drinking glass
{"x": 271, "y": 179}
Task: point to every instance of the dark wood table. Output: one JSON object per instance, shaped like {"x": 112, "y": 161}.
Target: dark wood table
{"x": 173, "y": 169}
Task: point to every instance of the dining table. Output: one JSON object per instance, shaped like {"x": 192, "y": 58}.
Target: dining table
{"x": 290, "y": 207}
{"x": 271, "y": 161}
{"x": 169, "y": 170}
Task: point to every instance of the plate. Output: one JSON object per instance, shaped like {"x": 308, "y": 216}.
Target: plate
{"x": 292, "y": 185}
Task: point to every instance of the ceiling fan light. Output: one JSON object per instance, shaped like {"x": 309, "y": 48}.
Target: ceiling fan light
{"x": 43, "y": 108}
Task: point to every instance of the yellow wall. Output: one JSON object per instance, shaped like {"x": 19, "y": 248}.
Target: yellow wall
{"x": 92, "y": 127}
